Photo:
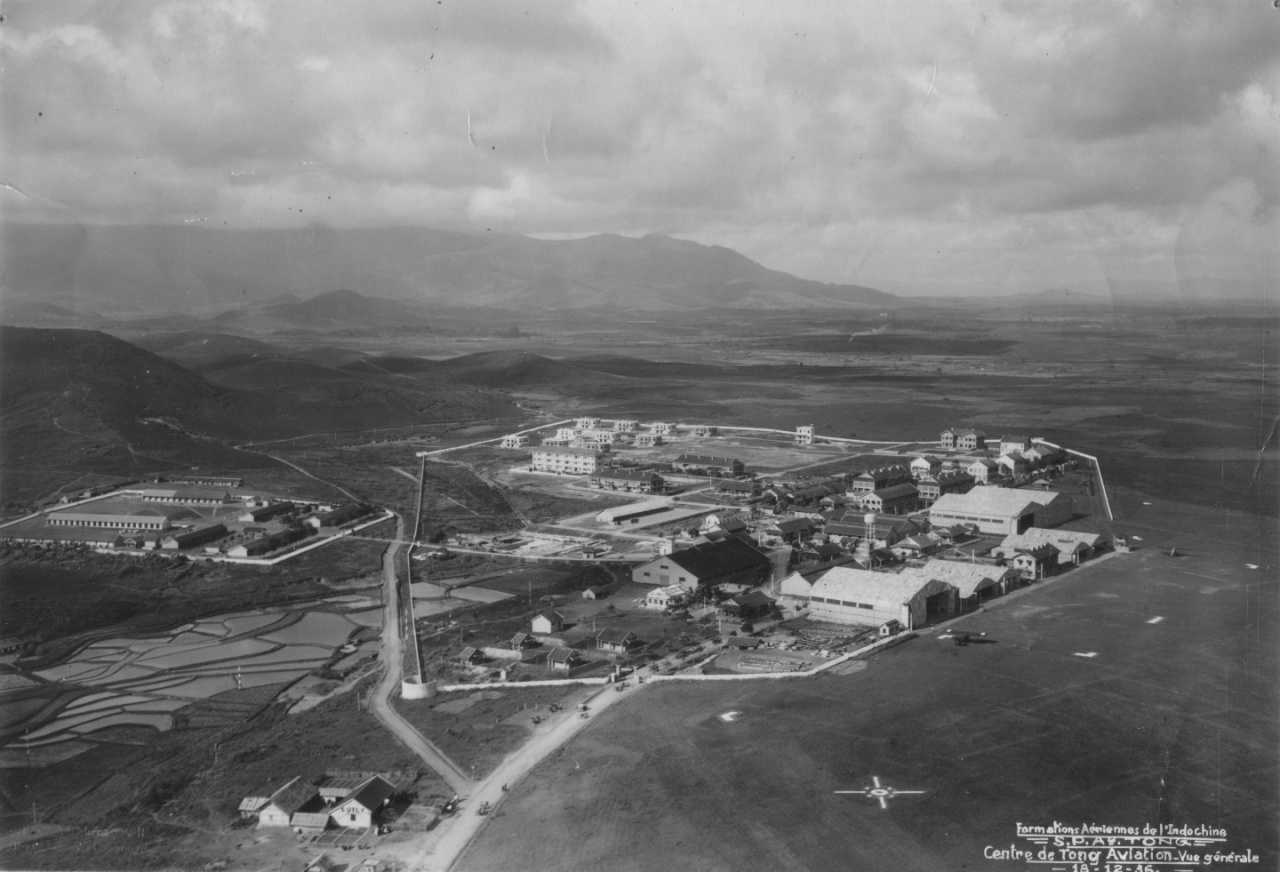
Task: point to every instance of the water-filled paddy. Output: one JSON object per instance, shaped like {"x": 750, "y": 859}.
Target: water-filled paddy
{"x": 248, "y": 623}
{"x": 217, "y": 652}
{"x": 370, "y": 618}
{"x": 316, "y": 628}
{"x": 143, "y": 680}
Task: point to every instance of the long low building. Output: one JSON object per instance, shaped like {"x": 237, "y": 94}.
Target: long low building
{"x": 1002, "y": 511}
{"x": 860, "y": 596}
{"x": 729, "y": 560}
{"x": 143, "y": 520}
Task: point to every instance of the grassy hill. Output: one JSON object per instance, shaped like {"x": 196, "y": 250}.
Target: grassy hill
{"x": 80, "y": 401}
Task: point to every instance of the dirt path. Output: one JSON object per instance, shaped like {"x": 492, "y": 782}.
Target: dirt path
{"x": 309, "y": 475}
{"x": 393, "y": 652}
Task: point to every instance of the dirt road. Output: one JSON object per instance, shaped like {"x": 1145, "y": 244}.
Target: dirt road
{"x": 455, "y": 835}
{"x": 393, "y": 652}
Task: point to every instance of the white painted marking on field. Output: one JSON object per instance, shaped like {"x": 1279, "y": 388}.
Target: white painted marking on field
{"x": 1086, "y": 653}
{"x": 1157, "y": 619}
{"x": 730, "y": 717}
{"x": 1145, "y": 503}
{"x": 1252, "y": 565}
{"x": 879, "y": 792}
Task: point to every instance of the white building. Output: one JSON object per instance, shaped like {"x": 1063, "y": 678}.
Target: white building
{"x": 515, "y": 440}
{"x": 925, "y": 466}
{"x": 1072, "y": 546}
{"x": 588, "y": 423}
{"x": 666, "y": 597}
{"x": 662, "y": 428}
{"x": 569, "y": 461}
{"x": 626, "y": 425}
{"x": 971, "y": 580}
{"x": 804, "y": 434}
{"x": 1002, "y": 511}
{"x": 860, "y": 596}
{"x": 983, "y": 470}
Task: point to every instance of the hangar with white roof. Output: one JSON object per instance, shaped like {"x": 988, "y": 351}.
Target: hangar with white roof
{"x": 1002, "y": 511}
{"x": 860, "y": 596}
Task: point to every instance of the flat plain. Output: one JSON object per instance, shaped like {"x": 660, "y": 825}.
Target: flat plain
{"x": 1169, "y": 722}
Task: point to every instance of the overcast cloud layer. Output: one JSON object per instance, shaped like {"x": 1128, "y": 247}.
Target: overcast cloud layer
{"x": 914, "y": 147}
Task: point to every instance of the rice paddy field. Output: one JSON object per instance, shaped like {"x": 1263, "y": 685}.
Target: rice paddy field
{"x": 151, "y": 681}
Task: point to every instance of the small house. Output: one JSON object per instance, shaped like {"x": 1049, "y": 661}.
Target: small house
{"x": 563, "y": 659}
{"x": 279, "y": 808}
{"x": 547, "y": 623}
{"x": 616, "y": 640}
{"x": 362, "y": 806}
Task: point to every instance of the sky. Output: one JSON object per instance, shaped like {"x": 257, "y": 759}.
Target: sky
{"x": 920, "y": 148}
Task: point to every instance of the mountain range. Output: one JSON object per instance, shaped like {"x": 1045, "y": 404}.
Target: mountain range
{"x": 136, "y": 270}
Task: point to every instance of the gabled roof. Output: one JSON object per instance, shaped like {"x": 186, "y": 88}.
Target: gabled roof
{"x": 863, "y": 585}
{"x": 469, "y": 652}
{"x": 793, "y": 525}
{"x": 563, "y": 655}
{"x": 292, "y": 796}
{"x": 615, "y": 636}
{"x": 896, "y": 491}
{"x": 552, "y": 616}
{"x": 1038, "y": 552}
{"x": 718, "y": 558}
{"x": 985, "y": 461}
{"x": 706, "y": 460}
{"x": 967, "y": 578}
{"x": 252, "y": 803}
{"x": 754, "y": 598}
{"x": 1066, "y": 541}
{"x": 993, "y": 501}
{"x": 843, "y": 529}
{"x": 372, "y": 793}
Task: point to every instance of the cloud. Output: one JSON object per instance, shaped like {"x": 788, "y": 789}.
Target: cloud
{"x": 917, "y": 147}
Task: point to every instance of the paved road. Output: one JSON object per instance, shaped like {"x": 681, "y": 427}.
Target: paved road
{"x": 393, "y": 652}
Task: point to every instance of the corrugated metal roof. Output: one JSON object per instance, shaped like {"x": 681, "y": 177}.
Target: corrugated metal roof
{"x": 863, "y": 585}
{"x": 967, "y": 578}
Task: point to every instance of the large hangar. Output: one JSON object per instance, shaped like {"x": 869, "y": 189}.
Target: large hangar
{"x": 1002, "y": 511}
{"x": 860, "y": 596}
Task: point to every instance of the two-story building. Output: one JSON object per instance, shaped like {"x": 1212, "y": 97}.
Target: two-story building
{"x": 567, "y": 461}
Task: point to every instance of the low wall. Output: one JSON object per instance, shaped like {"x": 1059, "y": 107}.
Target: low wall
{"x": 412, "y": 688}
{"x": 550, "y": 682}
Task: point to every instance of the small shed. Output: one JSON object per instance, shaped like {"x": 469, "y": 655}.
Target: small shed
{"x": 471, "y": 655}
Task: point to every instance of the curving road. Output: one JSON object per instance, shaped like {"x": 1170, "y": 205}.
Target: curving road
{"x": 393, "y": 652}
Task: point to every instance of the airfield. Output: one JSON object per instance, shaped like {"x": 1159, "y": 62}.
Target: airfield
{"x": 1078, "y": 706}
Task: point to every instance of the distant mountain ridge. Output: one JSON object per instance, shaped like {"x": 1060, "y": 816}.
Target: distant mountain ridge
{"x": 202, "y": 270}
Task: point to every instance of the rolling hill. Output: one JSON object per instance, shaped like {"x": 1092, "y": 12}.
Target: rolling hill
{"x": 199, "y": 270}
{"x": 332, "y": 311}
{"x": 84, "y": 400}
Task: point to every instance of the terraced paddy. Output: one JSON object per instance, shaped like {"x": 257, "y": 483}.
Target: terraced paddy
{"x": 148, "y": 682}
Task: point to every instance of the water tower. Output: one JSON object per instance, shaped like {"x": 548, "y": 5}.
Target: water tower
{"x": 870, "y": 520}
